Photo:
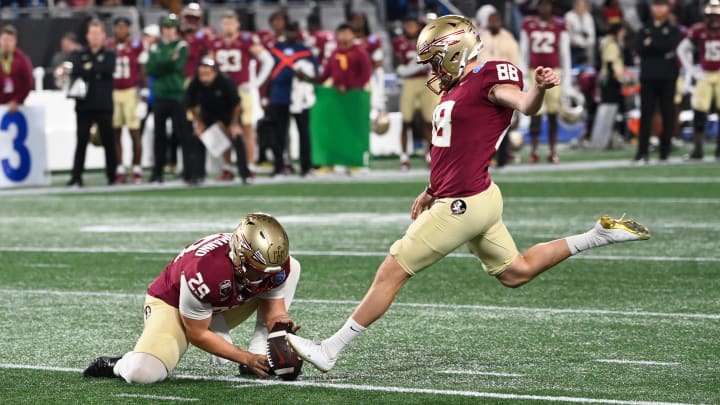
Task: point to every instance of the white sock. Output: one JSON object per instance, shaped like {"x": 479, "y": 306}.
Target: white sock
{"x": 120, "y": 169}
{"x": 403, "y": 157}
{"x": 343, "y": 337}
{"x": 137, "y": 169}
{"x": 227, "y": 166}
{"x": 584, "y": 241}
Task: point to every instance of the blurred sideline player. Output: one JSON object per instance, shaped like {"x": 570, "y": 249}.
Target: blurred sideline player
{"x": 545, "y": 42}
{"x": 125, "y": 95}
{"x": 321, "y": 42}
{"x": 414, "y": 95}
{"x": 704, "y": 38}
{"x": 373, "y": 45}
{"x": 462, "y": 205}
{"x": 233, "y": 53}
{"x": 212, "y": 286}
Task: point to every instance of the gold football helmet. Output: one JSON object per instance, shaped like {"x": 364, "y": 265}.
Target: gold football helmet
{"x": 447, "y": 44}
{"x": 381, "y": 123}
{"x": 259, "y": 242}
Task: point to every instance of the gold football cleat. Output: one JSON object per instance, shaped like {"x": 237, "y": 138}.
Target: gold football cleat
{"x": 627, "y": 225}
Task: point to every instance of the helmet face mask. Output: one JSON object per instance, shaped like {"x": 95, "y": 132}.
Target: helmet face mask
{"x": 447, "y": 44}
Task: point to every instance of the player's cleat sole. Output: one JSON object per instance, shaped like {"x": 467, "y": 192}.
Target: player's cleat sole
{"x": 621, "y": 230}
{"x": 311, "y": 352}
{"x": 102, "y": 367}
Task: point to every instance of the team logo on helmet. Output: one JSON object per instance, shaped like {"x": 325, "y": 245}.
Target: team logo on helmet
{"x": 148, "y": 311}
{"x": 458, "y": 207}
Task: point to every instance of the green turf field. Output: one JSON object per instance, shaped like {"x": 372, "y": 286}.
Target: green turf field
{"x": 633, "y": 322}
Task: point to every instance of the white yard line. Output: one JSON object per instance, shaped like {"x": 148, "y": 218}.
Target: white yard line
{"x": 451, "y": 307}
{"x": 342, "y": 253}
{"x": 155, "y": 397}
{"x": 639, "y": 362}
{"x": 374, "y": 388}
{"x": 487, "y": 373}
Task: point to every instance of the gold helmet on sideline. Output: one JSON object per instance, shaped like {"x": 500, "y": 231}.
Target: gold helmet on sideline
{"x": 381, "y": 123}
{"x": 259, "y": 242}
{"x": 447, "y": 43}
{"x": 572, "y": 106}
{"x": 712, "y": 7}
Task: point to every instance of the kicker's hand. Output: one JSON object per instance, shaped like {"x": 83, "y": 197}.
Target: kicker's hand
{"x": 546, "y": 78}
{"x": 422, "y": 202}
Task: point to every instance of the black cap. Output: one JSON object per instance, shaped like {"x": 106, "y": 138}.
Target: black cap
{"x": 122, "y": 20}
{"x": 661, "y": 2}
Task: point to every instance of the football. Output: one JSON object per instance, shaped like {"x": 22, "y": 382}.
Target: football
{"x": 282, "y": 359}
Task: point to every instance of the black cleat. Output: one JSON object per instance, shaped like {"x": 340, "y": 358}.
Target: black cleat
{"x": 101, "y": 367}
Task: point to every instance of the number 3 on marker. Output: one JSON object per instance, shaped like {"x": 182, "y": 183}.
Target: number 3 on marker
{"x": 22, "y": 170}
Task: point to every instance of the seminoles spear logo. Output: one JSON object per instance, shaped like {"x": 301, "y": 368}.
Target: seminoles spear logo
{"x": 442, "y": 41}
{"x": 245, "y": 244}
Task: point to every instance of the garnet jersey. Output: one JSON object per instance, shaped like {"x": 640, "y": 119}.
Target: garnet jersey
{"x": 321, "y": 43}
{"x": 406, "y": 53}
{"x": 467, "y": 128}
{"x": 544, "y": 41}
{"x": 198, "y": 45}
{"x": 707, "y": 43}
{"x": 267, "y": 38}
{"x": 373, "y": 45}
{"x": 210, "y": 276}
{"x": 127, "y": 65}
{"x": 233, "y": 57}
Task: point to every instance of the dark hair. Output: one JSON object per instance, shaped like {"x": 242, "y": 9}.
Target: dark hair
{"x": 366, "y": 26}
{"x": 292, "y": 26}
{"x": 122, "y": 20}
{"x": 71, "y": 36}
{"x": 313, "y": 19}
{"x": 279, "y": 13}
{"x": 343, "y": 27}
{"x": 9, "y": 29}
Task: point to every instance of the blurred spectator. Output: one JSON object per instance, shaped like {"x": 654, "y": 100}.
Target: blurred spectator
{"x": 612, "y": 12}
{"x": 233, "y": 53}
{"x": 212, "y": 98}
{"x": 612, "y": 70}
{"x": 498, "y": 44}
{"x": 151, "y": 34}
{"x": 656, "y": 45}
{"x": 373, "y": 45}
{"x": 283, "y": 90}
{"x": 16, "y": 73}
{"x": 278, "y": 21}
{"x": 581, "y": 28}
{"x": 349, "y": 66}
{"x": 544, "y": 41}
{"x": 166, "y": 64}
{"x": 125, "y": 95}
{"x": 414, "y": 94}
{"x": 94, "y": 66}
{"x": 320, "y": 41}
{"x": 68, "y": 45}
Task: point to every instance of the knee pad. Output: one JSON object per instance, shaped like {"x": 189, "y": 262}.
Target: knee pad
{"x": 699, "y": 121}
{"x": 141, "y": 368}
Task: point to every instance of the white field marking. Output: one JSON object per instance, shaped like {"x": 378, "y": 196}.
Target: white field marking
{"x": 472, "y": 394}
{"x": 342, "y": 253}
{"x": 49, "y": 265}
{"x": 155, "y": 397}
{"x": 452, "y": 307}
{"x": 244, "y": 383}
{"x": 488, "y": 373}
{"x": 640, "y": 362}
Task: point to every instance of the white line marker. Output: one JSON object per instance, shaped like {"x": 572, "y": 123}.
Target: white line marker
{"x": 244, "y": 383}
{"x": 451, "y": 307}
{"x": 640, "y": 362}
{"x": 155, "y": 397}
{"x": 488, "y": 373}
{"x": 342, "y": 253}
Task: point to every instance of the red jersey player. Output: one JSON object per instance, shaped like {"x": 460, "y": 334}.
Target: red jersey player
{"x": 196, "y": 37}
{"x": 462, "y": 205}
{"x": 212, "y": 286}
{"x": 704, "y": 38}
{"x": 126, "y": 80}
{"x": 321, "y": 42}
{"x": 414, "y": 95}
{"x": 233, "y": 53}
{"x": 349, "y": 66}
{"x": 545, "y": 42}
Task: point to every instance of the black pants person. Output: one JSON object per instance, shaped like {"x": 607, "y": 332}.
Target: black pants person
{"x": 280, "y": 116}
{"x": 84, "y": 120}
{"x": 653, "y": 93}
{"x": 302, "y": 120}
{"x": 175, "y": 111}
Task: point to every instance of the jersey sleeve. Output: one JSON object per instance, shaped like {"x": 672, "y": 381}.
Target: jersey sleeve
{"x": 501, "y": 72}
{"x": 190, "y": 305}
